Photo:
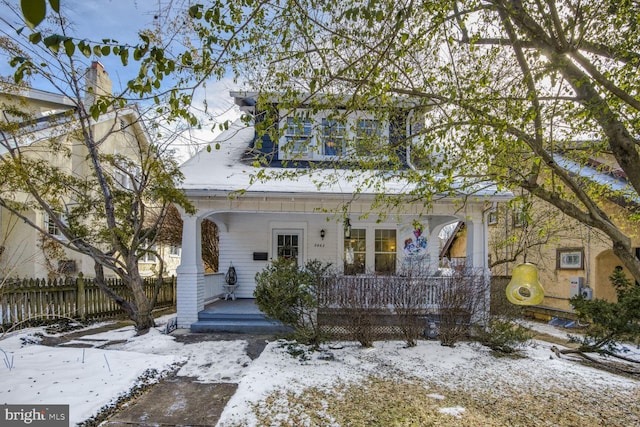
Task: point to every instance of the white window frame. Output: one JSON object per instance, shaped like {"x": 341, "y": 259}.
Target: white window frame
{"x": 175, "y": 251}
{"x": 148, "y": 257}
{"x": 125, "y": 172}
{"x": 380, "y": 130}
{"x": 52, "y": 228}
{"x": 492, "y": 217}
{"x": 383, "y": 234}
{"x": 370, "y": 245}
{"x": 288, "y": 232}
{"x": 337, "y": 137}
{"x": 313, "y": 147}
{"x": 349, "y": 252}
{"x": 298, "y": 138}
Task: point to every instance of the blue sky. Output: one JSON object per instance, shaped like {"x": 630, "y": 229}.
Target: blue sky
{"x": 95, "y": 20}
{"x": 122, "y": 20}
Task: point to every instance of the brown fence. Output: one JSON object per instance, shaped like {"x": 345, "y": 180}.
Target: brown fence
{"x": 79, "y": 298}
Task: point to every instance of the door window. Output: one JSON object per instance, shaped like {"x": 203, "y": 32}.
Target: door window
{"x": 288, "y": 245}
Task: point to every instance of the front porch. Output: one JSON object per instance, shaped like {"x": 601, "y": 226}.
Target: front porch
{"x": 464, "y": 292}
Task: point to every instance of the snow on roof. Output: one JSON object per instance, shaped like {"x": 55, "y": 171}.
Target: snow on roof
{"x": 61, "y": 124}
{"x": 586, "y": 171}
{"x": 222, "y": 170}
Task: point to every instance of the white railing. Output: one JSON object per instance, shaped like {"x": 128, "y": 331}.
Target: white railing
{"x": 384, "y": 292}
{"x": 213, "y": 286}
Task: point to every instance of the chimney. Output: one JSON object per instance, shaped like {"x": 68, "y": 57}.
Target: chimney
{"x": 97, "y": 82}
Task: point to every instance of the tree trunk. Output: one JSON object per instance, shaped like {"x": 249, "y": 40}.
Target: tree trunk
{"x": 143, "y": 306}
{"x": 628, "y": 258}
{"x": 140, "y": 309}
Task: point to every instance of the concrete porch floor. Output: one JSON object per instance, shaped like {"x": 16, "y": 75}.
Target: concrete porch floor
{"x": 239, "y": 305}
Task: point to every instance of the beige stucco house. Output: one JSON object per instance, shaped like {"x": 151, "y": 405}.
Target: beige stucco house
{"x": 43, "y": 129}
{"x": 577, "y": 258}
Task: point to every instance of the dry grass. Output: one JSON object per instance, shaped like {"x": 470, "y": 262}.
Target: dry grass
{"x": 409, "y": 402}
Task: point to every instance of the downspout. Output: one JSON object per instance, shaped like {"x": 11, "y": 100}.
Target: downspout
{"x": 485, "y": 234}
{"x": 587, "y": 262}
{"x": 485, "y": 262}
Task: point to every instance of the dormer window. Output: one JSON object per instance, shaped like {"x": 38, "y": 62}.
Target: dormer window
{"x": 334, "y": 139}
{"x": 330, "y": 135}
{"x": 298, "y": 135}
{"x": 368, "y": 137}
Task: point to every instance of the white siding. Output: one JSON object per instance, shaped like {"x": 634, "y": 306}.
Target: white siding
{"x": 249, "y": 233}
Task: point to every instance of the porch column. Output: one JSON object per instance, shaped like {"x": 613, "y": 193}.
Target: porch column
{"x": 433, "y": 249}
{"x": 190, "y": 282}
{"x": 477, "y": 253}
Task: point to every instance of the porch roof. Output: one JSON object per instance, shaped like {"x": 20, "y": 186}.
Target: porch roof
{"x": 223, "y": 171}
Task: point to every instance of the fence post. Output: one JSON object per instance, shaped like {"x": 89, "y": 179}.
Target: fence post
{"x": 81, "y": 301}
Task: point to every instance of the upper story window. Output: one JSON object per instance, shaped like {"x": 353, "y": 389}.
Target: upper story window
{"x": 175, "y": 250}
{"x": 328, "y": 135}
{"x": 126, "y": 174}
{"x": 52, "y": 226}
{"x": 368, "y": 136}
{"x": 334, "y": 139}
{"x": 148, "y": 254}
{"x": 298, "y": 135}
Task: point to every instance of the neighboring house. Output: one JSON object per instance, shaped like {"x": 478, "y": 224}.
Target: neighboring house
{"x": 324, "y": 214}
{"x": 580, "y": 259}
{"x": 170, "y": 254}
{"x": 23, "y": 251}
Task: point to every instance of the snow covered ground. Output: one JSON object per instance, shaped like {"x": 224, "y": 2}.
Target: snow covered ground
{"x": 89, "y": 378}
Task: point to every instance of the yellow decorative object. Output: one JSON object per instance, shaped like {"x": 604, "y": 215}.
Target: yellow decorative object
{"x": 524, "y": 287}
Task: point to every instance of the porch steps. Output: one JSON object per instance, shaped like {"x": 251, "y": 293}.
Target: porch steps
{"x": 240, "y": 321}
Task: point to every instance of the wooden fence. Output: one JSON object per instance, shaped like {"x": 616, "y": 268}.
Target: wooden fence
{"x": 78, "y": 298}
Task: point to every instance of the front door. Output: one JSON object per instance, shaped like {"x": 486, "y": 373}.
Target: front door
{"x": 288, "y": 244}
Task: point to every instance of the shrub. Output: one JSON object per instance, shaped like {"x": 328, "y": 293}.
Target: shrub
{"x": 359, "y": 308}
{"x": 505, "y": 335}
{"x": 288, "y": 294}
{"x": 410, "y": 304}
{"x": 611, "y": 322}
{"x": 462, "y": 299}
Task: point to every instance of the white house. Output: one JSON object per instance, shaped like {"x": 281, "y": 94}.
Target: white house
{"x": 324, "y": 213}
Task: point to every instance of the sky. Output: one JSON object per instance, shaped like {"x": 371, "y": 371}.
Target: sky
{"x": 89, "y": 378}
{"x": 121, "y": 20}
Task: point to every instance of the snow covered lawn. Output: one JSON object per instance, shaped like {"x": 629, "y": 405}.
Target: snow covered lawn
{"x": 464, "y": 385}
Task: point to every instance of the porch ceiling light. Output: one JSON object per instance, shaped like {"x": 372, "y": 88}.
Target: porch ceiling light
{"x": 347, "y": 227}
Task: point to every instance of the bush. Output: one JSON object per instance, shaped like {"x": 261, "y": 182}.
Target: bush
{"x": 505, "y": 335}
{"x": 611, "y": 322}
{"x": 410, "y": 304}
{"x": 288, "y": 294}
{"x": 462, "y": 299}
